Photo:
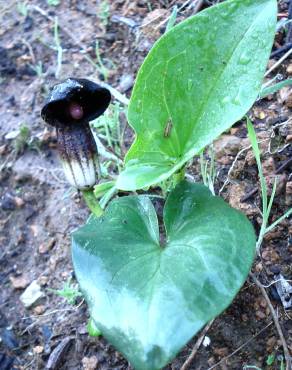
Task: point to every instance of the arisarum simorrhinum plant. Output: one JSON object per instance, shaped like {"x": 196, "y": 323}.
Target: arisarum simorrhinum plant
{"x": 202, "y": 76}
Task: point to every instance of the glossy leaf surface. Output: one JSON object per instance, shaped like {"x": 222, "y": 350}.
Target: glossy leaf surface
{"x": 198, "y": 79}
{"x": 149, "y": 300}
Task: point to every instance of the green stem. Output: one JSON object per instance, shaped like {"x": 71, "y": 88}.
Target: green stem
{"x": 92, "y": 202}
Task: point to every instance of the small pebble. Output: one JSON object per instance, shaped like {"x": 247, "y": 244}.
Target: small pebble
{"x": 38, "y": 349}
{"x": 19, "y": 282}
{"x": 39, "y": 310}
{"x": 46, "y": 247}
{"x": 289, "y": 69}
{"x": 126, "y": 83}
{"x": 89, "y": 363}
{"x": 31, "y": 294}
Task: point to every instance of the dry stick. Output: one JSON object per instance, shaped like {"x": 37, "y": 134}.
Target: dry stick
{"x": 226, "y": 182}
{"x": 178, "y": 10}
{"x": 276, "y": 321}
{"x": 283, "y": 166}
{"x": 249, "y": 195}
{"x": 281, "y": 50}
{"x": 198, "y": 6}
{"x": 239, "y": 348}
{"x": 28, "y": 45}
{"x": 289, "y": 33}
{"x": 276, "y": 65}
{"x": 197, "y": 345}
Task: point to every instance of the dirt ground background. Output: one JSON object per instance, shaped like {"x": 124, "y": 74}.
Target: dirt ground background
{"x": 38, "y": 209}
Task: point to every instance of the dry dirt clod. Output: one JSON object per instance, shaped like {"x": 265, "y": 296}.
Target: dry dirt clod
{"x": 43, "y": 280}
{"x": 46, "y": 247}
{"x": 39, "y": 310}
{"x": 288, "y": 199}
{"x": 285, "y": 96}
{"x": 227, "y": 145}
{"x": 19, "y": 282}
{"x": 236, "y": 193}
{"x": 268, "y": 166}
{"x": 281, "y": 183}
{"x": 3, "y": 149}
{"x": 271, "y": 342}
{"x": 222, "y": 352}
{"x": 260, "y": 315}
{"x": 89, "y": 363}
{"x": 10, "y": 202}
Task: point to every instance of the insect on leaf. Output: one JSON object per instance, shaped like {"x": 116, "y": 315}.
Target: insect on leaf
{"x": 203, "y": 75}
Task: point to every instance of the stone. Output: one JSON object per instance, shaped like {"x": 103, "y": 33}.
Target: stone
{"x": 31, "y": 294}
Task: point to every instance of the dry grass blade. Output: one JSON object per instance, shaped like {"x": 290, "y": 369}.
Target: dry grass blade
{"x": 276, "y": 321}
{"x": 197, "y": 345}
{"x": 239, "y": 348}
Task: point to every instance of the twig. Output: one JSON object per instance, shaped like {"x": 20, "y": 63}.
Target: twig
{"x": 289, "y": 33}
{"x": 75, "y": 308}
{"x": 197, "y": 345}
{"x": 239, "y": 348}
{"x": 281, "y": 50}
{"x": 40, "y": 317}
{"x": 276, "y": 281}
{"x": 178, "y": 10}
{"x": 30, "y": 49}
{"x": 198, "y": 6}
{"x": 283, "y": 166}
{"x": 276, "y": 65}
{"x": 249, "y": 195}
{"x": 227, "y": 181}
{"x": 232, "y": 167}
{"x": 275, "y": 319}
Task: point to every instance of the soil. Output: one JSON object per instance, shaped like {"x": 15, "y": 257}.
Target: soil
{"x": 38, "y": 209}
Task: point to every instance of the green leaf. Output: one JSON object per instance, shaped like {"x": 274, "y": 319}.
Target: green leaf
{"x": 102, "y": 188}
{"x": 92, "y": 329}
{"x": 271, "y": 359}
{"x": 198, "y": 79}
{"x": 149, "y": 300}
{"x": 274, "y": 88}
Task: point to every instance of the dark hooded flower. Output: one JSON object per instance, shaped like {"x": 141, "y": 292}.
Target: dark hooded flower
{"x": 69, "y": 107}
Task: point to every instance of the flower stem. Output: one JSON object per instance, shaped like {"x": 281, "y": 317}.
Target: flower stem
{"x": 92, "y": 203}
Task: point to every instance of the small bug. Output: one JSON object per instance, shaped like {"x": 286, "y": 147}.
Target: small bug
{"x": 167, "y": 129}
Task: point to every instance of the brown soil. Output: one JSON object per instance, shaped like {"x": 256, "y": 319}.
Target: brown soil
{"x": 39, "y": 210}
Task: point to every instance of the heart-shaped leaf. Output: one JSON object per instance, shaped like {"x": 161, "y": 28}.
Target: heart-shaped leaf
{"x": 198, "y": 79}
{"x": 149, "y": 300}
